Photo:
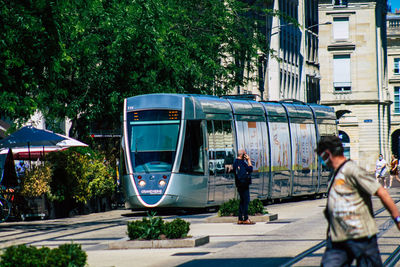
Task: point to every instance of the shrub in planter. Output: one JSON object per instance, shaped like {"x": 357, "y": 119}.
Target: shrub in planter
{"x": 34, "y": 187}
{"x": 256, "y": 207}
{"x": 149, "y": 228}
{"x": 23, "y": 256}
{"x": 177, "y": 228}
{"x": 231, "y": 208}
{"x": 66, "y": 255}
{"x": 136, "y": 229}
{"x": 154, "y": 227}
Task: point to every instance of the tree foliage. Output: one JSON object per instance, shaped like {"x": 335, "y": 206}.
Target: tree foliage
{"x": 80, "y": 59}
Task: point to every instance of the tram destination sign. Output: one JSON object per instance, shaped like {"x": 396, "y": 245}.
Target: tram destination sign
{"x": 154, "y": 115}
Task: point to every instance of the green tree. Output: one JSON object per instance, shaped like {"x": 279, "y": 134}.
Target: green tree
{"x": 80, "y": 59}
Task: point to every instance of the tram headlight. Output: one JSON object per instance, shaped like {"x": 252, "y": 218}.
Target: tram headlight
{"x": 142, "y": 183}
{"x": 162, "y": 183}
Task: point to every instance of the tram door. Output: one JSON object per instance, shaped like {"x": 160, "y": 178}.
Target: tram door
{"x": 220, "y": 158}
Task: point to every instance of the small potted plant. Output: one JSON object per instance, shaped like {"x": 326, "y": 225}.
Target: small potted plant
{"x": 35, "y": 185}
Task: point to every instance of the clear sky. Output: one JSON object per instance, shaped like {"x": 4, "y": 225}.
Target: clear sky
{"x": 395, "y": 4}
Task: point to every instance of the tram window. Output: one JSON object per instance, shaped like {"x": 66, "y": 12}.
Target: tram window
{"x": 223, "y": 142}
{"x": 192, "y": 157}
{"x": 153, "y": 146}
{"x": 228, "y": 144}
{"x": 211, "y": 147}
{"x": 249, "y": 138}
{"x": 153, "y": 136}
{"x": 220, "y": 146}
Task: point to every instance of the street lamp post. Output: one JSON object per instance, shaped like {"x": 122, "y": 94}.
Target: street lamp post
{"x": 280, "y": 26}
{"x": 319, "y": 24}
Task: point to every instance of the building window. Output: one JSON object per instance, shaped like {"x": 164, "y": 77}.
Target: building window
{"x": 340, "y": 28}
{"x": 340, "y": 2}
{"x": 341, "y": 73}
{"x": 397, "y": 66}
{"x": 396, "y": 100}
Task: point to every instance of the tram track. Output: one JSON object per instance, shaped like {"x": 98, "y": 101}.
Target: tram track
{"x": 393, "y": 258}
{"x": 391, "y": 261}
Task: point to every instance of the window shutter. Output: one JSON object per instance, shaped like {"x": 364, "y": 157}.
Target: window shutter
{"x": 341, "y": 70}
{"x": 341, "y": 28}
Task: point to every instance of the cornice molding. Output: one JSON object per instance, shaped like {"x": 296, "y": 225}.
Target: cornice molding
{"x": 340, "y": 12}
{"x": 355, "y": 102}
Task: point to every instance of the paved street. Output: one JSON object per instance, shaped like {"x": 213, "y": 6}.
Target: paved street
{"x": 300, "y": 226}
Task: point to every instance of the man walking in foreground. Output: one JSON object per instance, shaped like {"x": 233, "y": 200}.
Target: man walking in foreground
{"x": 351, "y": 226}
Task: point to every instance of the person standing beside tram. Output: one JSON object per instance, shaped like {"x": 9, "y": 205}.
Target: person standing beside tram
{"x": 243, "y": 168}
{"x": 394, "y": 172}
{"x": 351, "y": 226}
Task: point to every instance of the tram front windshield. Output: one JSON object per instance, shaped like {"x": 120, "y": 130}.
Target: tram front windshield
{"x": 153, "y": 136}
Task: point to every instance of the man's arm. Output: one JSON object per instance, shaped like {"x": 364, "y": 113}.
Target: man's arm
{"x": 389, "y": 204}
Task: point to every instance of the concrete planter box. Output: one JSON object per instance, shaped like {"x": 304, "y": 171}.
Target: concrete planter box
{"x": 167, "y": 243}
{"x": 34, "y": 207}
{"x": 234, "y": 219}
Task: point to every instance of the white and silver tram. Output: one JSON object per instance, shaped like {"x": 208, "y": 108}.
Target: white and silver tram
{"x": 178, "y": 150}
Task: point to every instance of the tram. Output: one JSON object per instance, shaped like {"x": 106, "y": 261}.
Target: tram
{"x": 178, "y": 150}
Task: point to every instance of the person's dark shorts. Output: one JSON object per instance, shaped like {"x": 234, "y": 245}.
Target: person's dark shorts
{"x": 364, "y": 250}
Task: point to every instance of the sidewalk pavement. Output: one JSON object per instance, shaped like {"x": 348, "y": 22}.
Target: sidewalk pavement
{"x": 300, "y": 225}
{"x": 228, "y": 241}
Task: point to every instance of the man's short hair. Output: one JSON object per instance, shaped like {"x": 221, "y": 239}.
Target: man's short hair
{"x": 331, "y": 143}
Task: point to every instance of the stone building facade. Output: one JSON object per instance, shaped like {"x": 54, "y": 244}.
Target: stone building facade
{"x": 292, "y": 72}
{"x": 393, "y": 46}
{"x": 353, "y": 58}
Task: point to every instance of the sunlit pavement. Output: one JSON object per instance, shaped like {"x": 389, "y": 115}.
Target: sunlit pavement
{"x": 300, "y": 225}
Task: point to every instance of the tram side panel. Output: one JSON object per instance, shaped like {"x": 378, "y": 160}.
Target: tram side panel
{"x": 279, "y": 150}
{"x": 280, "y": 156}
{"x": 305, "y": 172}
{"x": 326, "y": 127}
{"x": 265, "y": 167}
{"x": 250, "y": 137}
